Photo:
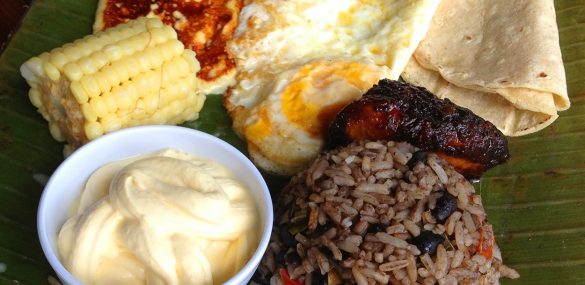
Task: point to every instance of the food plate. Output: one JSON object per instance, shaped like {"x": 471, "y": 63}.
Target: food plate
{"x": 535, "y": 201}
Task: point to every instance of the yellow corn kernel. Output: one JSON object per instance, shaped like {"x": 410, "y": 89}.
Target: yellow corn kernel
{"x": 56, "y": 132}
{"x": 161, "y": 35}
{"x": 112, "y": 77}
{"x": 116, "y": 34}
{"x": 157, "y": 118}
{"x": 99, "y": 106}
{"x": 153, "y": 57}
{"x": 51, "y": 71}
{"x": 88, "y": 65}
{"x": 110, "y": 101}
{"x": 78, "y": 92}
{"x": 164, "y": 98}
{"x": 126, "y": 32}
{"x": 127, "y": 47}
{"x": 149, "y": 81}
{"x": 175, "y": 47}
{"x": 165, "y": 113}
{"x": 139, "y": 112}
{"x": 34, "y": 95}
{"x": 88, "y": 113}
{"x": 132, "y": 66}
{"x": 73, "y": 52}
{"x": 100, "y": 59}
{"x": 93, "y": 130}
{"x": 110, "y": 123}
{"x": 44, "y": 56}
{"x": 151, "y": 102}
{"x": 199, "y": 103}
{"x": 153, "y": 23}
{"x": 58, "y": 59}
{"x": 190, "y": 116}
{"x": 167, "y": 50}
{"x": 73, "y": 71}
{"x": 194, "y": 65}
{"x": 104, "y": 38}
{"x": 174, "y": 69}
{"x": 94, "y": 42}
{"x": 102, "y": 82}
{"x": 113, "y": 52}
{"x": 125, "y": 96}
{"x": 121, "y": 71}
{"x": 90, "y": 86}
{"x": 176, "y": 108}
{"x": 142, "y": 61}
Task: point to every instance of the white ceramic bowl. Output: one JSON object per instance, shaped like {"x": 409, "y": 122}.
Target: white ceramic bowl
{"x": 67, "y": 181}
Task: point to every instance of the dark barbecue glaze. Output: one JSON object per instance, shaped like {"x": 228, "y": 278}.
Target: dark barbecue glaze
{"x": 392, "y": 110}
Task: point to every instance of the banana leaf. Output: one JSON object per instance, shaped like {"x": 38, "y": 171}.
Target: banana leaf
{"x": 536, "y": 201}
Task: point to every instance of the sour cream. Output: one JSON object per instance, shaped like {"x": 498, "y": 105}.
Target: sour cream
{"x": 162, "y": 218}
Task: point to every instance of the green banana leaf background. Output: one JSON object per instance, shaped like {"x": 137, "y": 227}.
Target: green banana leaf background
{"x": 536, "y": 201}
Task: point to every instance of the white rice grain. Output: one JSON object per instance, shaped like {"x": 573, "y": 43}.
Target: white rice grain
{"x": 388, "y": 239}
{"x": 366, "y": 166}
{"x": 411, "y": 269}
{"x": 373, "y": 188}
{"x": 468, "y": 222}
{"x": 382, "y": 165}
{"x": 428, "y": 263}
{"x": 398, "y": 155}
{"x": 423, "y": 272}
{"x": 360, "y": 279}
{"x": 442, "y": 263}
{"x": 459, "y": 239}
{"x": 451, "y": 221}
{"x": 376, "y": 275}
{"x": 393, "y": 265}
{"x": 462, "y": 201}
{"x": 411, "y": 227}
{"x": 457, "y": 259}
{"x": 438, "y": 169}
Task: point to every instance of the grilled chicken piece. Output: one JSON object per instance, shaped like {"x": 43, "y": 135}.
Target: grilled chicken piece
{"x": 393, "y": 110}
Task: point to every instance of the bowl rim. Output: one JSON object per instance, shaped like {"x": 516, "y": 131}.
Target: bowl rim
{"x": 246, "y": 271}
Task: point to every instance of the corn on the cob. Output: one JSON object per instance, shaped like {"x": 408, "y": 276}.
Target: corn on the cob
{"x": 136, "y": 73}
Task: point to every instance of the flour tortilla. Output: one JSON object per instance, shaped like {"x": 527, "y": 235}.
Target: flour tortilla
{"x": 499, "y": 58}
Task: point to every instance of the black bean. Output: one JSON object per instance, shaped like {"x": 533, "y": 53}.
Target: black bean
{"x": 427, "y": 242}
{"x": 292, "y": 258}
{"x": 445, "y": 206}
{"x": 318, "y": 279}
{"x": 320, "y": 230}
{"x": 417, "y": 156}
{"x": 286, "y": 237}
{"x": 326, "y": 251}
{"x": 279, "y": 257}
{"x": 376, "y": 228}
{"x": 259, "y": 279}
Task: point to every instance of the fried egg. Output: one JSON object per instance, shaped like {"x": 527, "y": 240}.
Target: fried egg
{"x": 285, "y": 131}
{"x": 301, "y": 58}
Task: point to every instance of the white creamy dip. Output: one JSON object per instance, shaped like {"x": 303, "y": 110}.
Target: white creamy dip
{"x": 161, "y": 218}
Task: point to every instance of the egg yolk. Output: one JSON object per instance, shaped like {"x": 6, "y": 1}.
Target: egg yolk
{"x": 262, "y": 127}
{"x": 319, "y": 90}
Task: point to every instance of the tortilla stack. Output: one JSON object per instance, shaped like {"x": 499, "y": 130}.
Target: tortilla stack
{"x": 499, "y": 58}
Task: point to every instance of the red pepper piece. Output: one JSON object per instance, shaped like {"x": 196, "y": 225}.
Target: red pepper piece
{"x": 286, "y": 278}
{"x": 486, "y": 242}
